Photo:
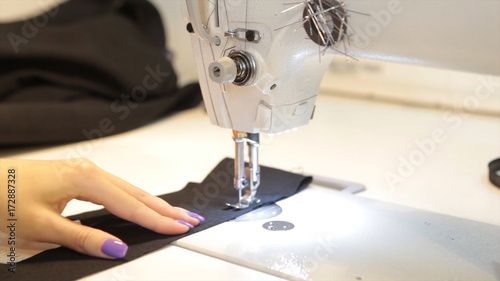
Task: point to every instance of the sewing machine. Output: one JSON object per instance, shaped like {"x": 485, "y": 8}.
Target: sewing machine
{"x": 262, "y": 74}
{"x": 260, "y": 63}
{"x": 444, "y": 219}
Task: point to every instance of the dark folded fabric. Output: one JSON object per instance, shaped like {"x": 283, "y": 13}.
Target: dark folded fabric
{"x": 87, "y": 69}
{"x": 207, "y": 198}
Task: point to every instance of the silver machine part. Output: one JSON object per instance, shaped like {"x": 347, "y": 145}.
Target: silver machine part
{"x": 198, "y": 27}
{"x": 243, "y": 34}
{"x": 239, "y": 68}
{"x": 246, "y": 178}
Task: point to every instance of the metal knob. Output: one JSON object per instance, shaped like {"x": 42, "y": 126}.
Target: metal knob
{"x": 223, "y": 70}
{"x": 238, "y": 67}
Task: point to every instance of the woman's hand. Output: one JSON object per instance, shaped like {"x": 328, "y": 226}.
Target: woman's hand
{"x": 43, "y": 188}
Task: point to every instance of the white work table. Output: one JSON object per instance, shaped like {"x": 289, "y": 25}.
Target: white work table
{"x": 349, "y": 139}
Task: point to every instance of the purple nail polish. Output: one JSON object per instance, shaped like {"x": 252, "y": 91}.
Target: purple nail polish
{"x": 114, "y": 248}
{"x": 185, "y": 223}
{"x": 196, "y": 216}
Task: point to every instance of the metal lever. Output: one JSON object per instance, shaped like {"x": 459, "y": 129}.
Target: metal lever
{"x": 243, "y": 34}
{"x": 246, "y": 178}
{"x": 193, "y": 8}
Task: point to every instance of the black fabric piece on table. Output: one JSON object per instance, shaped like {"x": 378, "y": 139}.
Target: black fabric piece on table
{"x": 84, "y": 70}
{"x": 208, "y": 199}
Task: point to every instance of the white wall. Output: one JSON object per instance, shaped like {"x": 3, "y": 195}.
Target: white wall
{"x": 13, "y": 10}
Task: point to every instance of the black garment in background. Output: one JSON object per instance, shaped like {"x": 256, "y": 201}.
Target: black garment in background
{"x": 207, "y": 198}
{"x": 70, "y": 73}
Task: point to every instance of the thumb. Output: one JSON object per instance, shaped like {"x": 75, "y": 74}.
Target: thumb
{"x": 88, "y": 240}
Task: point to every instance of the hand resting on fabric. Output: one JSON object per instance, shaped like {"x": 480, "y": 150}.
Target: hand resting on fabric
{"x": 44, "y": 187}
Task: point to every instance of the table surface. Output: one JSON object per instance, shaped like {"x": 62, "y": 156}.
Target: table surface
{"x": 422, "y": 158}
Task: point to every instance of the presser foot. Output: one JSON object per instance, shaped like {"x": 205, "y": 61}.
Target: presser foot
{"x": 246, "y": 178}
{"x": 245, "y": 201}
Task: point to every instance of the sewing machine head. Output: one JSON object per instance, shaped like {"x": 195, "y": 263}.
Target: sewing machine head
{"x": 260, "y": 64}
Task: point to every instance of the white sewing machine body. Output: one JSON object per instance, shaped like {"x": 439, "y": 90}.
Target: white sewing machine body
{"x": 260, "y": 65}
{"x": 289, "y": 65}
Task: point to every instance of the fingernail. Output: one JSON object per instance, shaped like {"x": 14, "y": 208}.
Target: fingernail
{"x": 185, "y": 223}
{"x": 196, "y": 216}
{"x": 114, "y": 248}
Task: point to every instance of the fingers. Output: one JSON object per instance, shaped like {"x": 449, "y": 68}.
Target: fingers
{"x": 128, "y": 207}
{"x": 156, "y": 204}
{"x": 131, "y": 203}
{"x": 86, "y": 240}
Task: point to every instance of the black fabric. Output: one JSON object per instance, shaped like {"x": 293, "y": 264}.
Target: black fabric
{"x": 207, "y": 199}
{"x": 87, "y": 69}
